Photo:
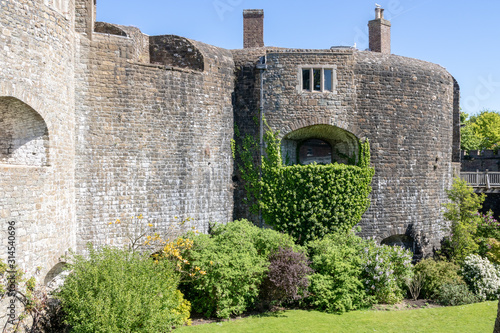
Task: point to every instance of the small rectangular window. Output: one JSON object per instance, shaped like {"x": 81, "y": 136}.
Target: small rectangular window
{"x": 306, "y": 79}
{"x": 328, "y": 80}
{"x": 317, "y": 79}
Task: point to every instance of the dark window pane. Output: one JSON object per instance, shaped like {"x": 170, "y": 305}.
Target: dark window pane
{"x": 328, "y": 79}
{"x": 306, "y": 79}
{"x": 315, "y": 150}
{"x": 317, "y": 79}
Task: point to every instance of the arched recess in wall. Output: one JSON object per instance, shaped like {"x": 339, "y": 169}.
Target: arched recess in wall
{"x": 108, "y": 28}
{"x": 176, "y": 51}
{"x": 322, "y": 144}
{"x": 24, "y": 137}
{"x": 54, "y": 275}
{"x": 405, "y": 241}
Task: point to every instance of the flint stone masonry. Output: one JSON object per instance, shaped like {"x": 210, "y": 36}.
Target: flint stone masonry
{"x": 108, "y": 123}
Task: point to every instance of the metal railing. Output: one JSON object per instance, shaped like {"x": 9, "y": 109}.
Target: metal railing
{"x": 482, "y": 179}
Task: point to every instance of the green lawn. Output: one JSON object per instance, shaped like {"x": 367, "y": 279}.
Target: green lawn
{"x": 468, "y": 318}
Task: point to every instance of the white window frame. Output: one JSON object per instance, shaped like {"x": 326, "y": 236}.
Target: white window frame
{"x": 333, "y": 68}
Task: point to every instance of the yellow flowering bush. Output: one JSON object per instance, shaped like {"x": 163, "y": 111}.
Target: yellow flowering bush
{"x": 173, "y": 251}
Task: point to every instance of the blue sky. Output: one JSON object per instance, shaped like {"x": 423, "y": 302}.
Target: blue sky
{"x": 462, "y": 36}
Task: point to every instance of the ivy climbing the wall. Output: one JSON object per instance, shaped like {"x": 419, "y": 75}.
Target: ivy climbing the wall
{"x": 305, "y": 201}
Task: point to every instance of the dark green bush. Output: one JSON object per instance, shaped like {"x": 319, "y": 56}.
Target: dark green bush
{"x": 115, "y": 290}
{"x": 436, "y": 273}
{"x": 455, "y": 294}
{"x": 235, "y": 258}
{"x": 337, "y": 285}
{"x": 310, "y": 201}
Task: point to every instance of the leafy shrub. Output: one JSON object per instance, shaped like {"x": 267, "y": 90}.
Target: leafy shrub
{"x": 31, "y": 299}
{"x": 310, "y": 201}
{"x": 455, "y": 294}
{"x": 488, "y": 226}
{"x": 115, "y": 290}
{"x": 493, "y": 254}
{"x": 235, "y": 256}
{"x": 461, "y": 211}
{"x": 435, "y": 274}
{"x": 482, "y": 277}
{"x": 337, "y": 285}
{"x": 386, "y": 269}
{"x": 264, "y": 240}
{"x": 487, "y": 234}
{"x": 287, "y": 278}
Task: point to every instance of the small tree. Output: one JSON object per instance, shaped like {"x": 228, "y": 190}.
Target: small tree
{"x": 462, "y": 212}
{"x": 487, "y": 127}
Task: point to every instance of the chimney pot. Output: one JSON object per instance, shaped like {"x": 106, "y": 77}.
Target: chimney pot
{"x": 379, "y": 31}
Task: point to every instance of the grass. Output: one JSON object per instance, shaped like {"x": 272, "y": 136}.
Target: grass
{"x": 478, "y": 317}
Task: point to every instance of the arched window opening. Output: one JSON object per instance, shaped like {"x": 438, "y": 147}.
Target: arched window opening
{"x": 24, "y": 137}
{"x": 322, "y": 144}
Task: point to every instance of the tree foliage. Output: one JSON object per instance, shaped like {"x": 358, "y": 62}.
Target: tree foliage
{"x": 481, "y": 131}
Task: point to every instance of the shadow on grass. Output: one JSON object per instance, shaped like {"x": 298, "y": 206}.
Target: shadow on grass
{"x": 198, "y": 318}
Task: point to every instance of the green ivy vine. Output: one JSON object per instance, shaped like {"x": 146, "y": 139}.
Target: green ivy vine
{"x": 305, "y": 201}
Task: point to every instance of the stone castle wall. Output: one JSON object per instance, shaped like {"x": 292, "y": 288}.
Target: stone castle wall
{"x": 37, "y": 121}
{"x": 482, "y": 161}
{"x": 100, "y": 122}
{"x": 403, "y": 106}
{"x": 152, "y": 139}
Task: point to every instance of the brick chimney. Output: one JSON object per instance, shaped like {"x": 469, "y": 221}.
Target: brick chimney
{"x": 253, "y": 28}
{"x": 379, "y": 31}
